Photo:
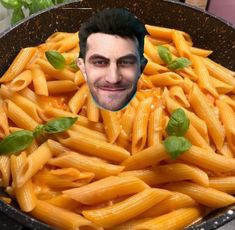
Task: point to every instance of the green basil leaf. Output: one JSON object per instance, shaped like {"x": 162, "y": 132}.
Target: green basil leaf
{"x": 179, "y": 63}
{"x": 175, "y": 146}
{"x": 164, "y": 54}
{"x": 58, "y": 1}
{"x": 16, "y": 142}
{"x": 178, "y": 124}
{"x": 37, "y": 5}
{"x": 11, "y": 4}
{"x": 17, "y": 16}
{"x": 39, "y": 131}
{"x": 56, "y": 59}
{"x": 59, "y": 124}
{"x": 73, "y": 65}
{"x": 26, "y": 3}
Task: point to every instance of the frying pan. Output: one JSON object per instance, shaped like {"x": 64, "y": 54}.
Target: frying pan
{"x": 206, "y": 30}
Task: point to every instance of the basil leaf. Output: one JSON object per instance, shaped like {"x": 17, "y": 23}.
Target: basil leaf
{"x": 16, "y": 142}
{"x": 17, "y": 16}
{"x": 164, "y": 54}
{"x": 37, "y": 5}
{"x": 38, "y": 131}
{"x": 26, "y": 3}
{"x": 56, "y": 59}
{"x": 57, "y": 1}
{"x": 11, "y": 4}
{"x": 179, "y": 63}
{"x": 73, "y": 65}
{"x": 59, "y": 125}
{"x": 175, "y": 146}
{"x": 178, "y": 124}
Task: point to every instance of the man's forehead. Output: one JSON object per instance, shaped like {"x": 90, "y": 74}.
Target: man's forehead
{"x": 105, "y": 43}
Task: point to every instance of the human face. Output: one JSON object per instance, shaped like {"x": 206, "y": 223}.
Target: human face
{"x": 111, "y": 69}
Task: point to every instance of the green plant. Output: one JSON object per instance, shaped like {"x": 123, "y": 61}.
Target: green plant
{"x": 32, "y": 5}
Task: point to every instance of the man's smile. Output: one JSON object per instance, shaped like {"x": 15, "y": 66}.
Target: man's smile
{"x": 112, "y": 89}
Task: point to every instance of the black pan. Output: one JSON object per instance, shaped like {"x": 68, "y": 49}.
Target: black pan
{"x": 207, "y": 31}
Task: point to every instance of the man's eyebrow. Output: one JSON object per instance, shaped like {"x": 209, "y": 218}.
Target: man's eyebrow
{"x": 128, "y": 56}
{"x": 96, "y": 56}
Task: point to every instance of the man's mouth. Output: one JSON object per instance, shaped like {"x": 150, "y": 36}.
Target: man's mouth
{"x": 112, "y": 89}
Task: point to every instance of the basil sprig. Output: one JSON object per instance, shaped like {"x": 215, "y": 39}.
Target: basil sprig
{"x": 57, "y": 60}
{"x": 16, "y": 142}
{"x": 176, "y": 64}
{"x": 54, "y": 126}
{"x": 19, "y": 7}
{"x": 179, "y": 63}
{"x": 175, "y": 144}
{"x": 178, "y": 124}
{"x": 164, "y": 54}
{"x": 20, "y": 140}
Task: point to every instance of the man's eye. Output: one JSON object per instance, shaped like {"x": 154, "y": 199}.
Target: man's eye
{"x": 126, "y": 63}
{"x": 99, "y": 63}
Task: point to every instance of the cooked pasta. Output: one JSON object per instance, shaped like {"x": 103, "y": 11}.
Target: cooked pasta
{"x": 111, "y": 170}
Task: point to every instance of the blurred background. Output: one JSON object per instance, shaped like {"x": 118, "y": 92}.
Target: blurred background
{"x": 222, "y": 8}
{"x": 11, "y": 12}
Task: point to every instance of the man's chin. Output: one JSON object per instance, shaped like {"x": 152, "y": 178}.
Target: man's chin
{"x": 113, "y": 102}
{"x": 112, "y": 105}
{"x": 113, "y": 108}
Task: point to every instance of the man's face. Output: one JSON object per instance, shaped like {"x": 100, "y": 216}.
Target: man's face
{"x": 111, "y": 68}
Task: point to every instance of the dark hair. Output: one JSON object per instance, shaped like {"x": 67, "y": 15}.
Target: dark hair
{"x": 118, "y": 21}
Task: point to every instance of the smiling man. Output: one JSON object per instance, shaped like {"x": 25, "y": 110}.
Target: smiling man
{"x": 111, "y": 56}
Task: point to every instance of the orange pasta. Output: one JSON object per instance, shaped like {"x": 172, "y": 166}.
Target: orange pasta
{"x": 112, "y": 170}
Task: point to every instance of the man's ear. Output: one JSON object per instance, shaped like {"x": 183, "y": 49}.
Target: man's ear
{"x": 81, "y": 66}
{"x": 143, "y": 63}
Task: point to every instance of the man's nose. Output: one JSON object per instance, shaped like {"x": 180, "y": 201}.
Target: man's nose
{"x": 113, "y": 75}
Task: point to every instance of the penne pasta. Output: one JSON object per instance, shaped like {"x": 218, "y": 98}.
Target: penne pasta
{"x": 19, "y": 116}
{"x": 59, "y": 87}
{"x": 92, "y": 110}
{"x": 166, "y": 79}
{"x": 100, "y": 168}
{"x": 228, "y": 119}
{"x": 147, "y": 157}
{"x": 33, "y": 164}
{"x": 169, "y": 173}
{"x": 182, "y": 217}
{"x": 204, "y": 80}
{"x": 39, "y": 82}
{"x": 202, "y": 158}
{"x": 214, "y": 198}
{"x": 50, "y": 214}
{"x": 111, "y": 124}
{"x": 205, "y": 112}
{"x": 21, "y": 60}
{"x": 181, "y": 44}
{"x": 155, "y": 127}
{"x": 175, "y": 201}
{"x": 127, "y": 209}
{"x": 106, "y": 189}
{"x": 21, "y": 81}
{"x": 80, "y": 142}
{"x": 113, "y": 170}
{"x": 78, "y": 100}
{"x": 224, "y": 184}
{"x": 5, "y": 172}
{"x": 140, "y": 125}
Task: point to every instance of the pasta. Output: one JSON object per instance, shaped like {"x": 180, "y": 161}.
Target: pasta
{"x": 110, "y": 170}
